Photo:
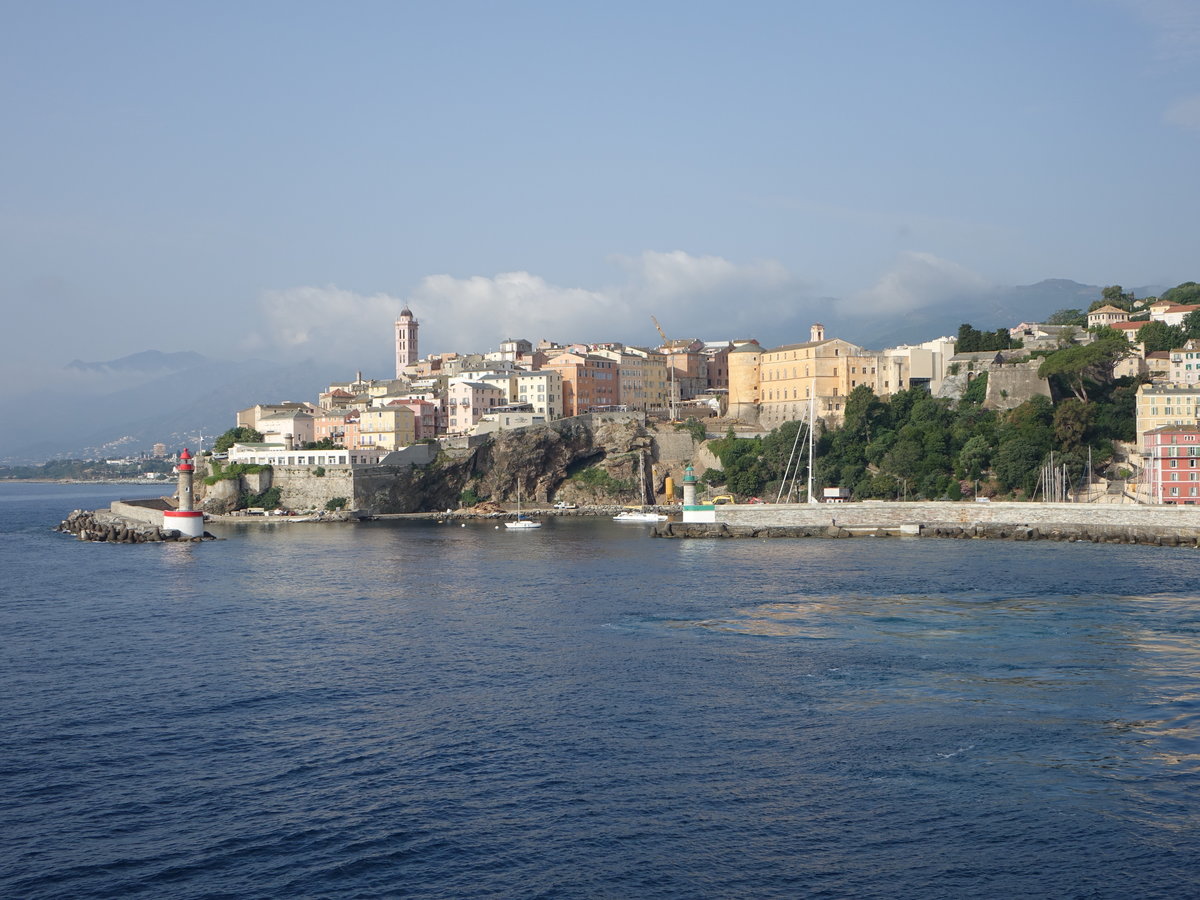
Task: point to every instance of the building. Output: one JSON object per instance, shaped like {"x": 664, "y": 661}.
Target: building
{"x": 1172, "y": 313}
{"x": 1184, "y": 364}
{"x": 469, "y": 401}
{"x": 826, "y": 369}
{"x": 542, "y": 390}
{"x": 330, "y": 425}
{"x": 642, "y": 375}
{"x": 406, "y": 341}
{"x": 505, "y": 418}
{"x": 1159, "y": 405}
{"x": 1170, "y": 453}
{"x": 1106, "y": 315}
{"x": 588, "y": 381}
{"x": 292, "y": 425}
{"x": 425, "y": 416}
{"x": 386, "y": 428}
{"x": 275, "y": 454}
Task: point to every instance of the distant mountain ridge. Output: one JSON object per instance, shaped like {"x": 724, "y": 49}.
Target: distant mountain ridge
{"x": 145, "y": 361}
{"x": 986, "y": 309}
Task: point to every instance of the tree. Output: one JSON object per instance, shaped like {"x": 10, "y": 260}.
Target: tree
{"x": 1080, "y": 364}
{"x": 242, "y": 434}
{"x": 1072, "y": 419}
{"x": 1157, "y": 336}
{"x": 971, "y": 340}
{"x": 1191, "y": 325}
{"x": 1114, "y": 295}
{"x": 1185, "y": 294}
{"x": 1068, "y": 317}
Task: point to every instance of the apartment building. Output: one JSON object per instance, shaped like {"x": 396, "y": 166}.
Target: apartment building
{"x": 588, "y": 381}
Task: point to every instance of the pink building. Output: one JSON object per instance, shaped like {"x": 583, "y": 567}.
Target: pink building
{"x": 468, "y": 401}
{"x": 1171, "y": 453}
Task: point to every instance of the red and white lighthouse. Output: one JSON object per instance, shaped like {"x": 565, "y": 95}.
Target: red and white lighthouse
{"x": 187, "y": 521}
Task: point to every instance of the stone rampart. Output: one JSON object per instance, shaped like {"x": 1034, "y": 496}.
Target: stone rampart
{"x": 302, "y": 488}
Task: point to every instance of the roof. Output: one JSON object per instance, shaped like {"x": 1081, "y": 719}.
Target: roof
{"x": 1109, "y": 309}
{"x": 1177, "y": 429}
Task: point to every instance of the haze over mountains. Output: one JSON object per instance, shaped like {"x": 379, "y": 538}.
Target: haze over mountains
{"x": 124, "y": 406}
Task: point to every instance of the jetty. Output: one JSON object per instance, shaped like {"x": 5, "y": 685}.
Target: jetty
{"x": 1098, "y": 523}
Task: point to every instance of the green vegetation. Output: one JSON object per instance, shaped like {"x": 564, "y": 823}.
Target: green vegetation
{"x": 694, "y": 427}
{"x": 240, "y": 435}
{"x": 600, "y": 480}
{"x": 268, "y": 499}
{"x": 1068, "y": 317}
{"x": 914, "y": 446}
{"x": 319, "y": 472}
{"x": 234, "y": 470}
{"x": 335, "y": 503}
{"x": 971, "y": 340}
{"x": 323, "y": 444}
{"x": 468, "y": 498}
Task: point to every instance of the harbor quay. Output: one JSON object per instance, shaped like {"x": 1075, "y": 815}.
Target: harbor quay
{"x": 1102, "y": 523}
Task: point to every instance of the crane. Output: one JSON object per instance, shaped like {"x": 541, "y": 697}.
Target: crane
{"x": 670, "y": 363}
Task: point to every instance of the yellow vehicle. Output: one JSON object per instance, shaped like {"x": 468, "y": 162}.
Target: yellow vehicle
{"x": 722, "y": 498}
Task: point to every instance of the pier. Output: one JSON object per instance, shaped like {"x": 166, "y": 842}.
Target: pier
{"x": 1100, "y": 523}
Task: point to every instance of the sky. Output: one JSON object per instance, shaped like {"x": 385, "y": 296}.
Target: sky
{"x": 277, "y": 179}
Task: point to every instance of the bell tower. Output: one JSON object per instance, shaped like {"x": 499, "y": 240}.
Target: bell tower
{"x": 406, "y": 341}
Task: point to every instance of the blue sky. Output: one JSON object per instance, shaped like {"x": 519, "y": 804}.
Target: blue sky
{"x": 284, "y": 176}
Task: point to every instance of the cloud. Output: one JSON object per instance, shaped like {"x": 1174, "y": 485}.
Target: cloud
{"x": 326, "y": 322}
{"x": 477, "y": 313}
{"x": 697, "y": 296}
{"x": 1184, "y": 113}
{"x": 918, "y": 280}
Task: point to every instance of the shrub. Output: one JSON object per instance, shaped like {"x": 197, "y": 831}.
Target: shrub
{"x": 231, "y": 472}
{"x": 694, "y": 427}
{"x": 468, "y": 498}
{"x": 319, "y": 471}
{"x": 268, "y": 499}
{"x": 600, "y": 480}
{"x": 335, "y": 503}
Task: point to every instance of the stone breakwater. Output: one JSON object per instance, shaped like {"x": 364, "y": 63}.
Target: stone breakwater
{"x": 1117, "y": 524}
{"x": 109, "y": 527}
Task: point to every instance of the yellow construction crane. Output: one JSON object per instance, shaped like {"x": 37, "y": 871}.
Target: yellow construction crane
{"x": 670, "y": 363}
{"x": 661, "y": 333}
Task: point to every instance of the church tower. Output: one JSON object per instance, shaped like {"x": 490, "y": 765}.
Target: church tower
{"x": 406, "y": 341}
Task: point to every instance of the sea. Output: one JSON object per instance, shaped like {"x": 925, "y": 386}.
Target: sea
{"x": 439, "y": 710}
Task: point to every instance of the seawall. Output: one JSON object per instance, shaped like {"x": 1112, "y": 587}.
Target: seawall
{"x": 1012, "y": 521}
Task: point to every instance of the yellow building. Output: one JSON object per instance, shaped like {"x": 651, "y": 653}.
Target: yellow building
{"x": 387, "y": 428}
{"x": 826, "y": 369}
{"x": 1167, "y": 404}
{"x": 644, "y": 377}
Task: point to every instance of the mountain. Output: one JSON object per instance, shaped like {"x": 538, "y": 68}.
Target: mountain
{"x": 987, "y": 310}
{"x": 131, "y": 404}
{"x": 146, "y": 362}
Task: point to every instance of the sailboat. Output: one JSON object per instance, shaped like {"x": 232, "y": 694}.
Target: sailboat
{"x": 521, "y": 521}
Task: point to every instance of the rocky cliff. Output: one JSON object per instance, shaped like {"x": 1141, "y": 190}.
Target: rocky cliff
{"x": 600, "y": 459}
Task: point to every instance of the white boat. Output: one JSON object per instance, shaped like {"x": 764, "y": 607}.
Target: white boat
{"x": 639, "y": 514}
{"x": 521, "y": 522}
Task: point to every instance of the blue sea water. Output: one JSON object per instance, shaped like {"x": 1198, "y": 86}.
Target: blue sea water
{"x": 420, "y": 710}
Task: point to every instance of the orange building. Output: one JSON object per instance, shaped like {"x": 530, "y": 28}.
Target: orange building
{"x": 588, "y": 381}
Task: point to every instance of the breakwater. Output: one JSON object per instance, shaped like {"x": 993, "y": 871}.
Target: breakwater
{"x": 116, "y": 528}
{"x": 1109, "y": 523}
